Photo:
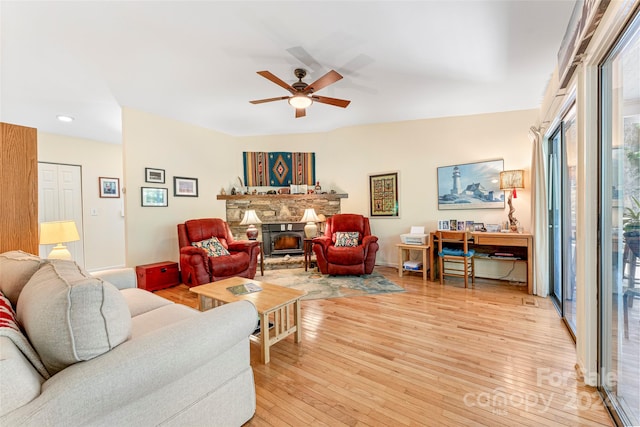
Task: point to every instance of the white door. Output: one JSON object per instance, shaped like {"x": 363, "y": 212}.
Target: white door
{"x": 60, "y": 199}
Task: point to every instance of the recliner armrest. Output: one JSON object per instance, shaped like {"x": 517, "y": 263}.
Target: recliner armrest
{"x": 243, "y": 245}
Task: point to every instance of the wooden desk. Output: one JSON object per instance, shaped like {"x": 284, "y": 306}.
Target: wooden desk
{"x": 523, "y": 240}
{"x": 404, "y": 249}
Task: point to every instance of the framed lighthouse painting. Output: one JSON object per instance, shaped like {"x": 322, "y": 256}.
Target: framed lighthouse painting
{"x": 471, "y": 186}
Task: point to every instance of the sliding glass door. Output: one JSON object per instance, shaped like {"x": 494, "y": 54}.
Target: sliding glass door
{"x": 619, "y": 252}
{"x": 562, "y": 170}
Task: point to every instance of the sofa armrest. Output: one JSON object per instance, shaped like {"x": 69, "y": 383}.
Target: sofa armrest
{"x": 138, "y": 367}
{"x": 121, "y": 278}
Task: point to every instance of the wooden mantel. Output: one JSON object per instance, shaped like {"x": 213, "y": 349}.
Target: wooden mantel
{"x": 328, "y": 196}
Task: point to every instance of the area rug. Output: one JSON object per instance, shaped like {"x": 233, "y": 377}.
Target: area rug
{"x": 322, "y": 286}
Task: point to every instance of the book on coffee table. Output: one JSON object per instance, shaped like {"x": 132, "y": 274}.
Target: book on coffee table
{"x": 245, "y": 288}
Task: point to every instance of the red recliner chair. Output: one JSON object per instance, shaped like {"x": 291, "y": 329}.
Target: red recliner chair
{"x": 198, "y": 268}
{"x": 347, "y": 247}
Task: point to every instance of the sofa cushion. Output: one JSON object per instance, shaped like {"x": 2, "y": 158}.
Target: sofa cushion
{"x": 140, "y": 301}
{"x": 16, "y": 268}
{"x": 21, "y": 383}
{"x": 10, "y": 328}
{"x": 212, "y": 246}
{"x": 71, "y": 316}
{"x": 347, "y": 238}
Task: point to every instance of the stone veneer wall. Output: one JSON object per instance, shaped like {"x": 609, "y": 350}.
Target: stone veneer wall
{"x": 277, "y": 208}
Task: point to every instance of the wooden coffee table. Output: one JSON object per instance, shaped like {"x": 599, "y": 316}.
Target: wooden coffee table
{"x": 275, "y": 304}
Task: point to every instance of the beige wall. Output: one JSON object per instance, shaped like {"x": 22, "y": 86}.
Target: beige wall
{"x": 344, "y": 159}
{"x": 103, "y": 233}
{"x": 180, "y": 149}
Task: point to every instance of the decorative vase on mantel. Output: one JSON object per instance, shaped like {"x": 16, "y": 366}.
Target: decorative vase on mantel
{"x": 318, "y": 187}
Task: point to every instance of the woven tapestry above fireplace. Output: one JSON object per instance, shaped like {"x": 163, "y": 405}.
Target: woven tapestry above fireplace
{"x": 279, "y": 169}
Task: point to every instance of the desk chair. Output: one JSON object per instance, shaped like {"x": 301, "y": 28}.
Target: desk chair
{"x": 453, "y": 248}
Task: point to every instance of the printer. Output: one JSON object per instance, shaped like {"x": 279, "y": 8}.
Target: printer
{"x": 416, "y": 236}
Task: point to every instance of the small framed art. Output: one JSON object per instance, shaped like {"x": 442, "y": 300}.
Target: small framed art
{"x": 154, "y": 175}
{"x": 154, "y": 197}
{"x": 185, "y": 187}
{"x": 109, "y": 187}
{"x": 383, "y": 195}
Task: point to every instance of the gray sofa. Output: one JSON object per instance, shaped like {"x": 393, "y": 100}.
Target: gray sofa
{"x": 100, "y": 351}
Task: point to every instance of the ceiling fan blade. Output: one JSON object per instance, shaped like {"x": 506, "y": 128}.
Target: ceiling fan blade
{"x": 300, "y": 112}
{"x": 331, "y": 101}
{"x": 261, "y": 101}
{"x": 269, "y": 76}
{"x": 324, "y": 81}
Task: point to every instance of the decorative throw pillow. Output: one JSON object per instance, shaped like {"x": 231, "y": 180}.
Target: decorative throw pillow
{"x": 213, "y": 247}
{"x": 347, "y": 238}
{"x": 16, "y": 268}
{"x": 10, "y": 328}
{"x": 71, "y": 316}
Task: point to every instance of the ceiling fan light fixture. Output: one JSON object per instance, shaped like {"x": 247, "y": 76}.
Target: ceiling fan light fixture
{"x": 300, "y": 101}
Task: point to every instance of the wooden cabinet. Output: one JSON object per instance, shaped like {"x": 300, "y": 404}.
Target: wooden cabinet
{"x": 18, "y": 188}
{"x": 159, "y": 275}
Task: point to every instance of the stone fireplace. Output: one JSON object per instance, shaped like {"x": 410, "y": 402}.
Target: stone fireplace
{"x": 278, "y": 211}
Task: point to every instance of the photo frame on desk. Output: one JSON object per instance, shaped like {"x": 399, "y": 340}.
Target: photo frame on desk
{"x": 493, "y": 228}
{"x": 443, "y": 225}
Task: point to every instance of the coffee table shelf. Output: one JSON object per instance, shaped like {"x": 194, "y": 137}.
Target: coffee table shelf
{"x": 275, "y": 304}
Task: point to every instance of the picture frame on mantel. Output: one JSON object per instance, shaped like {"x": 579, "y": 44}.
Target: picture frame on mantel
{"x": 383, "y": 195}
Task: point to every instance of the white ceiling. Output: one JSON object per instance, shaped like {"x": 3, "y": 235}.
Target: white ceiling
{"x": 197, "y": 61}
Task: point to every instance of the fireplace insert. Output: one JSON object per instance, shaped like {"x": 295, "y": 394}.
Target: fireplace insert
{"x": 283, "y": 238}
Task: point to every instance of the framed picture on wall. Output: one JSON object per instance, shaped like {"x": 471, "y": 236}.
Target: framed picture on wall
{"x": 383, "y": 195}
{"x": 154, "y": 197}
{"x": 471, "y": 186}
{"x": 185, "y": 187}
{"x": 109, "y": 187}
{"x": 154, "y": 175}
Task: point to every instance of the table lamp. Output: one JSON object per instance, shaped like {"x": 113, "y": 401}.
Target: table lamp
{"x": 310, "y": 217}
{"x": 251, "y": 218}
{"x": 58, "y": 232}
{"x": 510, "y": 180}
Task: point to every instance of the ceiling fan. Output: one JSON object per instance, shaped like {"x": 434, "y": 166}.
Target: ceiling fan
{"x": 301, "y": 93}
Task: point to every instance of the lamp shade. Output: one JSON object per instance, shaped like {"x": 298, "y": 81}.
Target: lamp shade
{"x": 300, "y": 101}
{"x": 310, "y": 216}
{"x": 250, "y": 217}
{"x": 58, "y": 232}
{"x": 512, "y": 179}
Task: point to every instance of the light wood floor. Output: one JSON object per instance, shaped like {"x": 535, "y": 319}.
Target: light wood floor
{"x": 433, "y": 356}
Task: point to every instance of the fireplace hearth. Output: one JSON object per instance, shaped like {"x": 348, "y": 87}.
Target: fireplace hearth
{"x": 283, "y": 238}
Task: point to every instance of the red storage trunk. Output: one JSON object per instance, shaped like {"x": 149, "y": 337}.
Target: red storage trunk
{"x": 159, "y": 275}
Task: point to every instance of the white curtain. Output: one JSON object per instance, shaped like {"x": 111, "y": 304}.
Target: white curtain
{"x": 539, "y": 215}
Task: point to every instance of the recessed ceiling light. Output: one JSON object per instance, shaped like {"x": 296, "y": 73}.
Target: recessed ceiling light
{"x": 65, "y": 119}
